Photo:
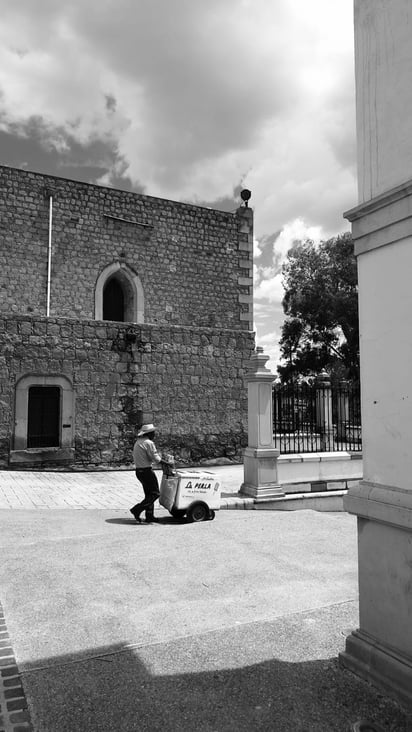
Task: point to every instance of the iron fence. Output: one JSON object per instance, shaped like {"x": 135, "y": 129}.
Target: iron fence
{"x": 316, "y": 418}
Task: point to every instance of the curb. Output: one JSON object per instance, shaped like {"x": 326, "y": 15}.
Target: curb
{"x": 238, "y": 503}
{"x": 14, "y": 713}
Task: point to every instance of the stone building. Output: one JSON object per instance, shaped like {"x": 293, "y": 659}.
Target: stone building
{"x": 117, "y": 309}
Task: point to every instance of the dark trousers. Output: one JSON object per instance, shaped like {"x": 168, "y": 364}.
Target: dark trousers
{"x": 148, "y": 479}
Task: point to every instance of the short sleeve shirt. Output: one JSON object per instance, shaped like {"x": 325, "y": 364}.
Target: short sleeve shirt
{"x": 145, "y": 453}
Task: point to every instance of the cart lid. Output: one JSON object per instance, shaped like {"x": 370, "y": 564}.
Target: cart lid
{"x": 196, "y": 474}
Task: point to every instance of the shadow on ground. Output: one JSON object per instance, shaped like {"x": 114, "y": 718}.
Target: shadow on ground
{"x": 163, "y": 520}
{"x": 133, "y": 688}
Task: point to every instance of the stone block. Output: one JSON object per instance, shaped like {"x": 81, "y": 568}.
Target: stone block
{"x": 336, "y": 485}
{"x": 318, "y": 486}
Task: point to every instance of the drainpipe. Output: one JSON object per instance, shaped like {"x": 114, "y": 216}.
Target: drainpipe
{"x": 49, "y": 253}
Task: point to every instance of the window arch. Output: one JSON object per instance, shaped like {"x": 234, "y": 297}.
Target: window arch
{"x": 119, "y": 294}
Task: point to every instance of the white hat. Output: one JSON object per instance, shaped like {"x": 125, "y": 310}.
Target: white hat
{"x": 145, "y": 428}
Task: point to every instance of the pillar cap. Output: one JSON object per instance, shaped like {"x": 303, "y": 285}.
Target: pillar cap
{"x": 323, "y": 379}
{"x": 257, "y": 369}
{"x": 257, "y": 362}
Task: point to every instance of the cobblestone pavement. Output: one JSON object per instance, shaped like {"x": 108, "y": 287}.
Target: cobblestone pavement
{"x": 117, "y": 489}
{"x": 26, "y": 489}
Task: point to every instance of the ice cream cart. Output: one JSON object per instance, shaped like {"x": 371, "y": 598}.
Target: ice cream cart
{"x": 191, "y": 493}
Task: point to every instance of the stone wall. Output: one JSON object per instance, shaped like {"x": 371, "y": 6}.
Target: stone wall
{"x": 185, "y": 275}
{"x": 188, "y": 381}
{"x": 194, "y": 263}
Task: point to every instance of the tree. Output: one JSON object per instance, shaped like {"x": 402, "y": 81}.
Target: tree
{"x": 321, "y": 327}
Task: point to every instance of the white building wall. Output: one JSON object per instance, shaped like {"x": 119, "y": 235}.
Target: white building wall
{"x": 381, "y": 649}
{"x": 383, "y": 39}
{"x": 385, "y": 284}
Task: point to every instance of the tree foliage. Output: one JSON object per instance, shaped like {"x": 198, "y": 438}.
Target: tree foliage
{"x": 321, "y": 306}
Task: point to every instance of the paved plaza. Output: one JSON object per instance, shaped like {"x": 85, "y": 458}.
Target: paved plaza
{"x": 230, "y": 625}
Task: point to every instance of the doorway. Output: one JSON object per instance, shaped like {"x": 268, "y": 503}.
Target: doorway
{"x": 43, "y": 418}
{"x": 113, "y": 301}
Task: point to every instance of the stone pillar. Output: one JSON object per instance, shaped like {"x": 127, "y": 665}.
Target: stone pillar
{"x": 381, "y": 649}
{"x": 260, "y": 457}
{"x": 324, "y": 423}
{"x": 342, "y": 411}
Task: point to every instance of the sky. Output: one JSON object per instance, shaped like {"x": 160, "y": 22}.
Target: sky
{"x": 192, "y": 101}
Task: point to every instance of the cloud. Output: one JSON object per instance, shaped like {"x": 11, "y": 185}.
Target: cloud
{"x": 291, "y": 233}
{"x": 192, "y": 97}
{"x": 184, "y": 79}
{"x": 257, "y": 249}
{"x": 270, "y": 289}
{"x": 268, "y": 279}
{"x": 192, "y": 101}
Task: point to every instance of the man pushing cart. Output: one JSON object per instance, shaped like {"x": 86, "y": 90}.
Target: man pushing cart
{"x": 191, "y": 493}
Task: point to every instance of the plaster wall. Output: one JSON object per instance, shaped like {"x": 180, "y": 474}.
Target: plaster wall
{"x": 386, "y": 363}
{"x": 381, "y": 650}
{"x": 386, "y": 583}
{"x": 384, "y": 110}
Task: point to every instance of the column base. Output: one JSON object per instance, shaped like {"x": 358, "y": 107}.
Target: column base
{"x": 263, "y": 493}
{"x": 381, "y": 650}
{"x": 380, "y": 665}
{"x": 260, "y": 474}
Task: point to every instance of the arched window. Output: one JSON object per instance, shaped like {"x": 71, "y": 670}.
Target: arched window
{"x": 113, "y": 300}
{"x": 119, "y": 295}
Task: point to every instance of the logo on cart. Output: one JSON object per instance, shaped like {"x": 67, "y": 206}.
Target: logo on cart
{"x": 197, "y": 486}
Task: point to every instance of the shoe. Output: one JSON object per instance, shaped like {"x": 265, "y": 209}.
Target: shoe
{"x": 136, "y": 516}
{"x": 151, "y": 520}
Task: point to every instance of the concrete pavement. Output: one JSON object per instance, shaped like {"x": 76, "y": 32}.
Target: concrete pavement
{"x": 234, "y": 624}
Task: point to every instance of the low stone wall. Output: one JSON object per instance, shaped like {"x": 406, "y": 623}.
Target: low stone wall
{"x": 319, "y": 471}
{"x": 188, "y": 381}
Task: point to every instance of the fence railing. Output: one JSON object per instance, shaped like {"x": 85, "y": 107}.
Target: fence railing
{"x": 316, "y": 418}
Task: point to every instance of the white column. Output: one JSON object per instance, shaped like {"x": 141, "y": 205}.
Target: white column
{"x": 260, "y": 456}
{"x": 342, "y": 410}
{"x": 381, "y": 649}
{"x": 324, "y": 420}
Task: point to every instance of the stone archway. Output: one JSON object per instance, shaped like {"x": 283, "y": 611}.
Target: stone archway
{"x": 40, "y": 444}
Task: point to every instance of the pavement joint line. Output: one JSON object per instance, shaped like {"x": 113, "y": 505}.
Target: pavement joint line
{"x": 151, "y": 644}
{"x": 14, "y": 712}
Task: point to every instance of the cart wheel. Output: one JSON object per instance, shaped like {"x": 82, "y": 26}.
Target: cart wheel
{"x": 198, "y": 512}
{"x": 211, "y": 514}
{"x": 178, "y": 513}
